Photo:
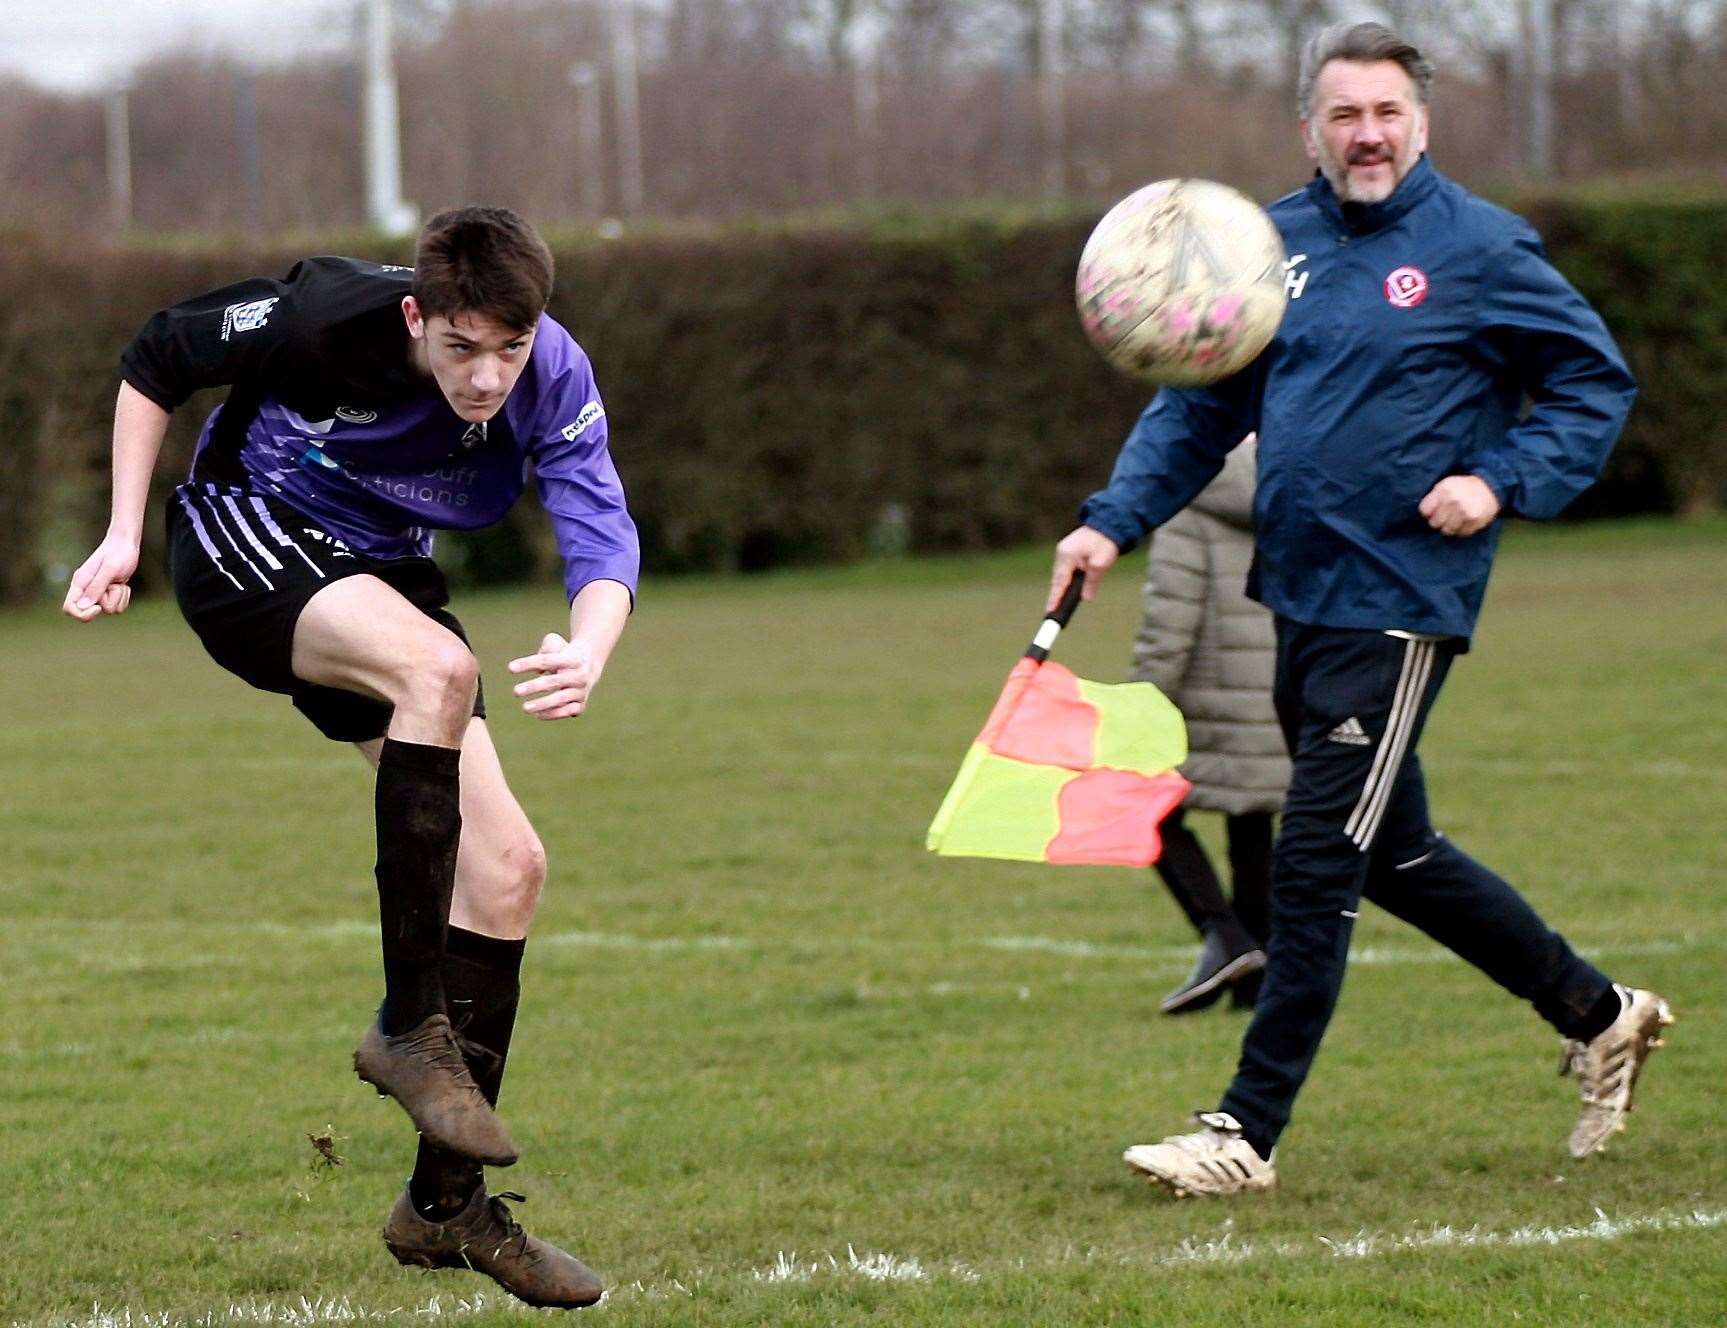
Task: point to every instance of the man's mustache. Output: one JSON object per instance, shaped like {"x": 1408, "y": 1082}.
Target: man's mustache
{"x": 1367, "y": 156}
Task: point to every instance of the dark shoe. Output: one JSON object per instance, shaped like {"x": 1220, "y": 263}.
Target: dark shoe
{"x": 1218, "y": 967}
{"x": 485, "y": 1237}
{"x": 1244, "y": 993}
{"x": 423, "y": 1070}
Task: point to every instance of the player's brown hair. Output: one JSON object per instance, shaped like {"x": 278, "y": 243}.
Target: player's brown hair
{"x": 483, "y": 260}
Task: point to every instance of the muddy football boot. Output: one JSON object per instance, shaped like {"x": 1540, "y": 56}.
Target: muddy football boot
{"x": 424, "y": 1071}
{"x": 486, "y": 1237}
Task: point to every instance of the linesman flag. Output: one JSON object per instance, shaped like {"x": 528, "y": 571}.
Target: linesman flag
{"x": 1066, "y": 770}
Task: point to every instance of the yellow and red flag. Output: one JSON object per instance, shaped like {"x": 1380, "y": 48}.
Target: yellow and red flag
{"x": 1066, "y": 770}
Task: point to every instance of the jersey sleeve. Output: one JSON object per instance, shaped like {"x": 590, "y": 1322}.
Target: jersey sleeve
{"x": 211, "y": 340}
{"x": 1560, "y": 353}
{"x": 578, "y": 484}
{"x": 1172, "y": 452}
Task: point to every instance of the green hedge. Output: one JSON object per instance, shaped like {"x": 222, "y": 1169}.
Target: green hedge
{"x": 786, "y": 398}
{"x": 1653, "y": 269}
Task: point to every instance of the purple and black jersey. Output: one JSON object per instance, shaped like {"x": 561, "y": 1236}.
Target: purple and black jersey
{"x": 328, "y": 415}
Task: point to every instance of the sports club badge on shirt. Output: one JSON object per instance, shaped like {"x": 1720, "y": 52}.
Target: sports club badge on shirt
{"x": 1406, "y": 287}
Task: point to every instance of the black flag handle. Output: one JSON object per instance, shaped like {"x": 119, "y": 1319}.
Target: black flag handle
{"x": 1058, "y": 618}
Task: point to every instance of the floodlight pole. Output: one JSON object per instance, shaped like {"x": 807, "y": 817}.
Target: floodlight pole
{"x": 119, "y": 135}
{"x": 626, "y": 94}
{"x": 585, "y": 79}
{"x": 246, "y": 130}
{"x": 1626, "y": 20}
{"x": 385, "y": 208}
{"x": 1538, "y": 33}
{"x": 1050, "y": 90}
{"x": 866, "y": 41}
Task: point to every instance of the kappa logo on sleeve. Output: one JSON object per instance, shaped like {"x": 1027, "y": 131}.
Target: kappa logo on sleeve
{"x": 247, "y": 317}
{"x": 591, "y": 414}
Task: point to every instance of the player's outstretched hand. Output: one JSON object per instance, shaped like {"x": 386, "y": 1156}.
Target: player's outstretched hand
{"x": 567, "y": 674}
{"x": 100, "y": 585}
{"x": 1087, "y": 550}
{"x": 1460, "y": 505}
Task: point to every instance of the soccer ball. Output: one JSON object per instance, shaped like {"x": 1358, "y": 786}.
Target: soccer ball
{"x": 1182, "y": 283}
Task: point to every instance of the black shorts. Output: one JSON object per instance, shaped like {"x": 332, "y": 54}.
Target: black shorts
{"x": 244, "y": 565}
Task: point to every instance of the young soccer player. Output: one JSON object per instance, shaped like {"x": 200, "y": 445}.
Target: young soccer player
{"x": 371, "y": 405}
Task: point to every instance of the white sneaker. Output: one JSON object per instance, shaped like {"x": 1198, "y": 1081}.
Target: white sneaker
{"x": 1215, "y": 1160}
{"x": 1607, "y": 1067}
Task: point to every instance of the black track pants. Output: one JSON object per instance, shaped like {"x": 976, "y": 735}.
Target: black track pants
{"x": 1352, "y": 705}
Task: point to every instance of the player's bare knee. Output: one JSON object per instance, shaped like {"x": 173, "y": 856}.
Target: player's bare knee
{"x": 440, "y": 678}
{"x": 522, "y": 872}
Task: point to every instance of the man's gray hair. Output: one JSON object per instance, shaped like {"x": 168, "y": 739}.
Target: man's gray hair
{"x": 1363, "y": 42}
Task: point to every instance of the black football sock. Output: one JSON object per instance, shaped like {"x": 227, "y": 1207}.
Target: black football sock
{"x": 482, "y": 985}
{"x": 419, "y": 813}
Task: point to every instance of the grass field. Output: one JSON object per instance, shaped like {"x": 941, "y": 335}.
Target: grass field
{"x": 777, "y": 1065}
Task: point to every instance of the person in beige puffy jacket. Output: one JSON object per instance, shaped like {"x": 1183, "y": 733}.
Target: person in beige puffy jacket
{"x": 1212, "y": 651}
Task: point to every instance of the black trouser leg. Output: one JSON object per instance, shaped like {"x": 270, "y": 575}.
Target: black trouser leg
{"x": 1357, "y": 821}
{"x": 1352, "y": 704}
{"x": 1250, "y": 839}
{"x": 419, "y": 825}
{"x": 1192, "y": 882}
{"x": 482, "y": 985}
{"x": 1423, "y": 878}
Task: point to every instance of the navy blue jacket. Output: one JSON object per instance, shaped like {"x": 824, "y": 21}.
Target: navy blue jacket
{"x": 1415, "y": 329}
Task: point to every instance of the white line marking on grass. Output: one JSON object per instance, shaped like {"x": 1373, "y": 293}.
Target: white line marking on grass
{"x": 1228, "y": 1249}
{"x": 1367, "y": 954}
{"x": 1663, "y": 769}
{"x": 789, "y": 1268}
{"x": 1083, "y": 949}
{"x": 602, "y": 940}
{"x": 1361, "y": 954}
{"x": 1635, "y": 948}
{"x": 330, "y": 930}
{"x": 199, "y": 1037}
{"x": 1364, "y": 1245}
{"x": 304, "y": 1312}
{"x": 872, "y": 1267}
{"x": 875, "y": 991}
{"x": 606, "y": 940}
{"x": 112, "y": 961}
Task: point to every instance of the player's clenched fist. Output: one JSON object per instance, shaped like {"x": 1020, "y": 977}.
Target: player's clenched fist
{"x": 99, "y": 585}
{"x": 1083, "y": 550}
{"x": 1460, "y": 505}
